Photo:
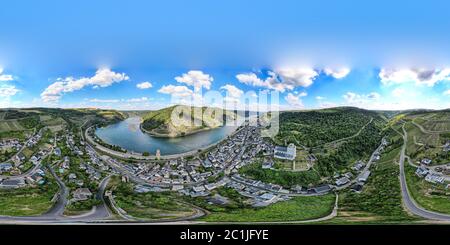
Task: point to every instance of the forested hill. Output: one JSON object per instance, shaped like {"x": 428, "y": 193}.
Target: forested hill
{"x": 159, "y": 122}
{"x": 317, "y": 127}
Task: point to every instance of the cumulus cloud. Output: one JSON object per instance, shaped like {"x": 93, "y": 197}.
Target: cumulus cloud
{"x": 104, "y": 100}
{"x": 296, "y": 77}
{"x": 196, "y": 79}
{"x": 177, "y": 91}
{"x": 5, "y": 77}
{"x": 144, "y": 85}
{"x": 281, "y": 79}
{"x": 360, "y": 99}
{"x": 427, "y": 77}
{"x": 7, "y": 91}
{"x": 137, "y": 100}
{"x": 295, "y": 100}
{"x": 447, "y": 92}
{"x": 103, "y": 78}
{"x": 337, "y": 73}
{"x": 398, "y": 92}
{"x": 232, "y": 91}
{"x": 132, "y": 100}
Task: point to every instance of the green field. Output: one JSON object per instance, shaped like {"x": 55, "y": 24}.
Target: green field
{"x": 27, "y": 201}
{"x": 296, "y": 209}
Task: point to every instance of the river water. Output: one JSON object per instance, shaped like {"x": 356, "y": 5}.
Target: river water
{"x": 128, "y": 135}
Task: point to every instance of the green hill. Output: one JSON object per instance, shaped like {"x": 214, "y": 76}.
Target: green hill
{"x": 317, "y": 127}
{"x": 160, "y": 123}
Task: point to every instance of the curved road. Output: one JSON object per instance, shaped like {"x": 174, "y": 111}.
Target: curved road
{"x": 55, "y": 214}
{"x": 408, "y": 201}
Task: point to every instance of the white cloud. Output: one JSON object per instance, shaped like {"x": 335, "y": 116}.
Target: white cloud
{"x": 398, "y": 92}
{"x": 132, "y": 100}
{"x": 197, "y": 79}
{"x": 337, "y": 73}
{"x": 374, "y": 96}
{"x": 360, "y": 99}
{"x": 137, "y": 100}
{"x": 7, "y": 91}
{"x": 427, "y": 77}
{"x": 177, "y": 91}
{"x": 320, "y": 98}
{"x": 104, "y": 100}
{"x": 351, "y": 97}
{"x": 232, "y": 91}
{"x": 281, "y": 79}
{"x": 447, "y": 92}
{"x": 295, "y": 100}
{"x": 144, "y": 85}
{"x": 296, "y": 77}
{"x": 103, "y": 78}
{"x": 5, "y": 77}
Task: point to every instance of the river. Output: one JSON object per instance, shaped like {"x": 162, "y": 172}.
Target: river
{"x": 129, "y": 136}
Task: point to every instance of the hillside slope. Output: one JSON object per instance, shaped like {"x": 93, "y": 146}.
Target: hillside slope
{"x": 317, "y": 127}
{"x": 160, "y": 123}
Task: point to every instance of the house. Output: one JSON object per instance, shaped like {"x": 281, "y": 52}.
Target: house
{"x": 287, "y": 153}
{"x": 342, "y": 181}
{"x": 320, "y": 189}
{"x": 422, "y": 171}
{"x": 81, "y": 194}
{"x": 434, "y": 178}
{"x": 267, "y": 165}
{"x": 177, "y": 187}
{"x": 357, "y": 187}
{"x": 198, "y": 188}
{"x": 364, "y": 176}
{"x": 13, "y": 183}
{"x": 5, "y": 167}
{"x": 426, "y": 161}
{"x": 218, "y": 200}
{"x": 358, "y": 166}
{"x": 57, "y": 152}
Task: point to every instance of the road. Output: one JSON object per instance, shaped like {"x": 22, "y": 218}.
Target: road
{"x": 408, "y": 201}
{"x": 55, "y": 214}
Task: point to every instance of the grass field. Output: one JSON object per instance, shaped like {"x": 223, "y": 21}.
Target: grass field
{"x": 27, "y": 201}
{"x": 298, "y": 208}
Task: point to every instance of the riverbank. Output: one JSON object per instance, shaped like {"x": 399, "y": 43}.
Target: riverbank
{"x": 140, "y": 156}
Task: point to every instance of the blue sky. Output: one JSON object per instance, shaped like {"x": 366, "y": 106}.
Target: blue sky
{"x": 378, "y": 55}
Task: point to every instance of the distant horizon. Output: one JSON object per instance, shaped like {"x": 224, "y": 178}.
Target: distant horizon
{"x": 305, "y": 109}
